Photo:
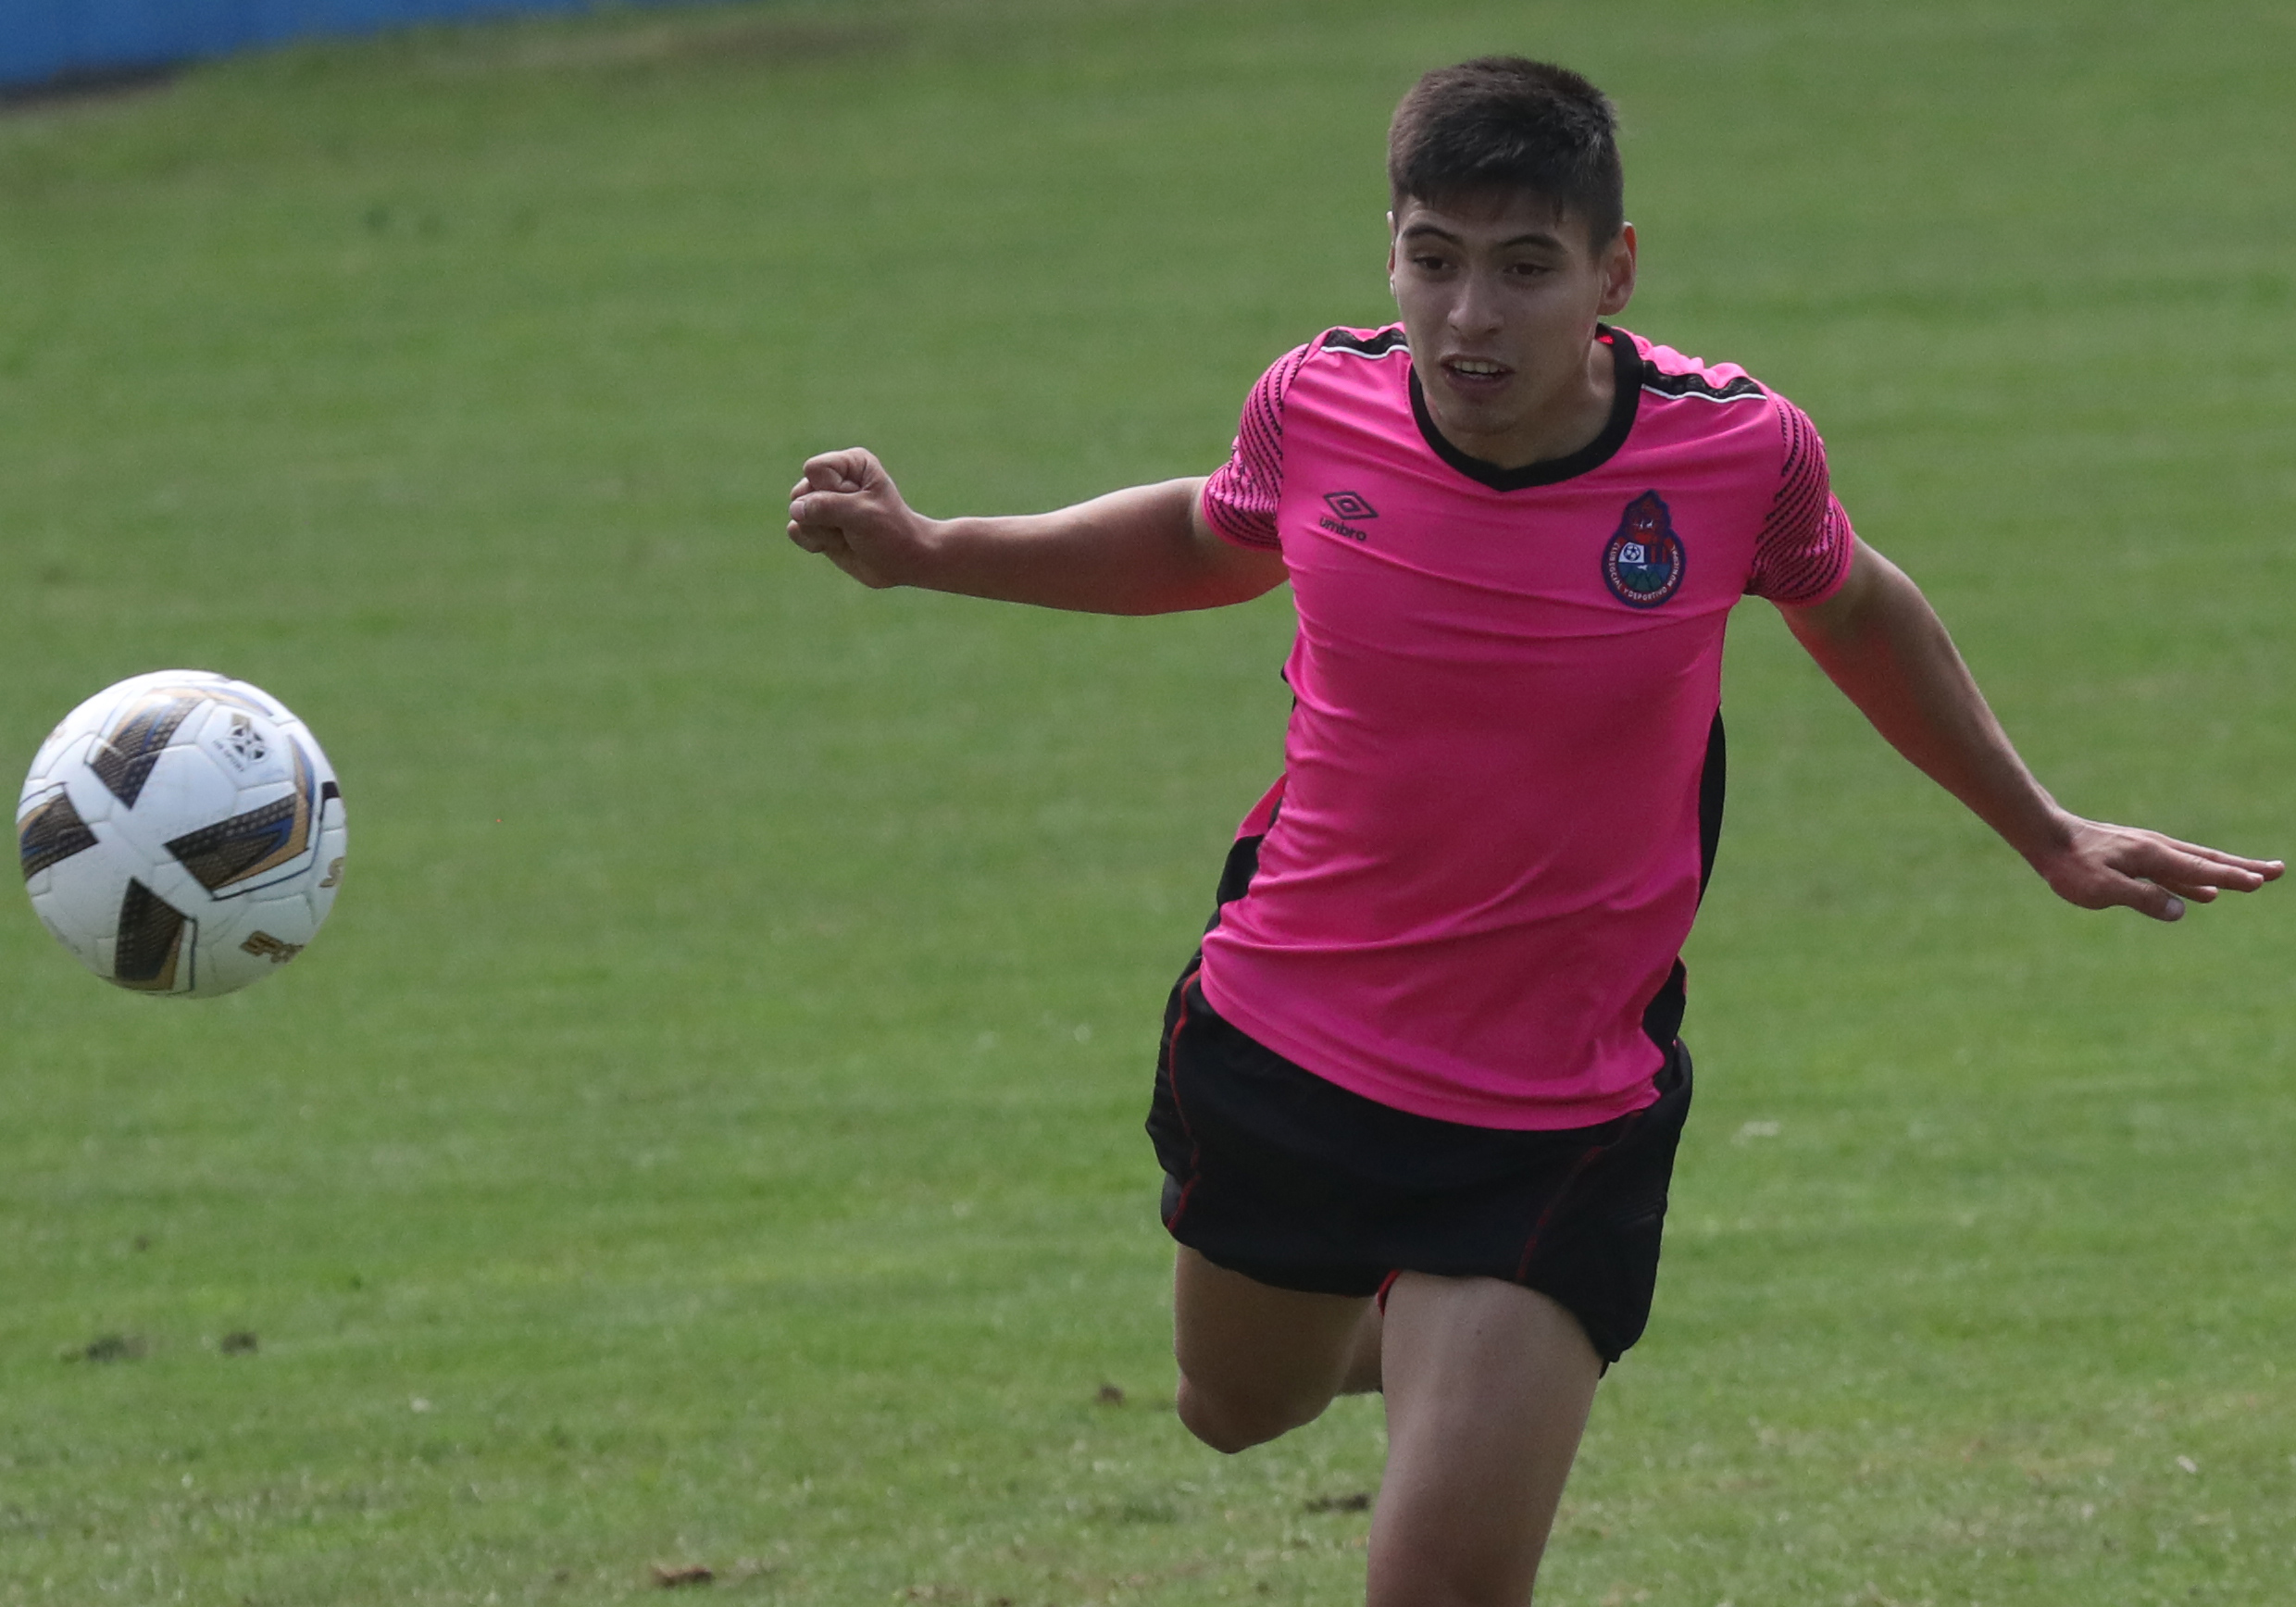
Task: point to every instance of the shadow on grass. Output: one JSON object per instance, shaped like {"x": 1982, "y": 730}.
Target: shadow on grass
{"x": 96, "y": 84}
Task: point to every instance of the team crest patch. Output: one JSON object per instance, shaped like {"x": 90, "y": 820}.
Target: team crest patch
{"x": 1643, "y": 563}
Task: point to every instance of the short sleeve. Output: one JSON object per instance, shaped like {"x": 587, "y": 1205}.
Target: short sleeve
{"x": 1240, "y": 500}
{"x": 1802, "y": 554}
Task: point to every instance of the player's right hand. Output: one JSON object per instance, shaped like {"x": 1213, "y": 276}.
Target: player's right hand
{"x": 847, "y": 508}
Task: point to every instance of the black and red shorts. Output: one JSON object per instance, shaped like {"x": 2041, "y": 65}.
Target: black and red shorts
{"x": 1275, "y": 1173}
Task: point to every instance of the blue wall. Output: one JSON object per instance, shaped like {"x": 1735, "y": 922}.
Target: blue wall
{"x": 42, "y": 41}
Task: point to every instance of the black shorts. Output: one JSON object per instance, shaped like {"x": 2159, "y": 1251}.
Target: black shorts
{"x": 1273, "y": 1172}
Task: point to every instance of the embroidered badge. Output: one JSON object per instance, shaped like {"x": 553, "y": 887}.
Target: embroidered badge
{"x": 1643, "y": 563}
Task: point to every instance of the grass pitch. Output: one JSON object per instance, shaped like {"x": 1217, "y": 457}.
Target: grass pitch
{"x": 707, "y": 1134}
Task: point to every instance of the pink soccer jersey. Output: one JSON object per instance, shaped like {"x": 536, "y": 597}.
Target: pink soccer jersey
{"x": 1502, "y": 775}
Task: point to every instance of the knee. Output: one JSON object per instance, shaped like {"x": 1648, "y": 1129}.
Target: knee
{"x": 1230, "y": 1421}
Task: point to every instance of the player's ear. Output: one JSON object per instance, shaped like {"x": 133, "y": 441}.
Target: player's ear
{"x": 1618, "y": 263}
{"x": 1391, "y": 251}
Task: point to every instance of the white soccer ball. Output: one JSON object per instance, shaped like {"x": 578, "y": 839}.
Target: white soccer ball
{"x": 181, "y": 834}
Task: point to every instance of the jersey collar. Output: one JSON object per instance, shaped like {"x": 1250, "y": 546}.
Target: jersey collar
{"x": 1626, "y": 398}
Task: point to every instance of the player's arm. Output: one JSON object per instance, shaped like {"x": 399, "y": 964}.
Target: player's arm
{"x": 1883, "y": 645}
{"x": 1144, "y": 550}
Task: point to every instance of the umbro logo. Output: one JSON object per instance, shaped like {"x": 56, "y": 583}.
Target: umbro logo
{"x": 1347, "y": 507}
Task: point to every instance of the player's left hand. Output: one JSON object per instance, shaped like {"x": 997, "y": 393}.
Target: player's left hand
{"x": 2100, "y": 866}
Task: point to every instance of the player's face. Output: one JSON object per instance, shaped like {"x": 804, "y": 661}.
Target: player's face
{"x": 1500, "y": 295}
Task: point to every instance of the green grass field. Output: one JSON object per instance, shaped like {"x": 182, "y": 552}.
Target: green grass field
{"x": 708, "y": 1131}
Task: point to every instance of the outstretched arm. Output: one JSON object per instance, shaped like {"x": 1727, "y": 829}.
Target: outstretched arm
{"x": 1884, "y": 647}
{"x": 1144, "y": 550}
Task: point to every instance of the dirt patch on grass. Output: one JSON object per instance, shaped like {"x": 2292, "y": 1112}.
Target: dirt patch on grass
{"x": 110, "y": 1348}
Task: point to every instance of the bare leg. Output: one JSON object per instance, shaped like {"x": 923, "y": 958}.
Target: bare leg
{"x": 1256, "y": 1362}
{"x": 1488, "y": 1388}
{"x": 1364, "y": 1354}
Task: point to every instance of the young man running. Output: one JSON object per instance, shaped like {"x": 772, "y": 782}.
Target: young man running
{"x": 1418, "y": 1095}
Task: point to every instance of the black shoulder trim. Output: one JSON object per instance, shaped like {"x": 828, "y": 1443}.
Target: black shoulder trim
{"x": 1378, "y": 345}
{"x": 1698, "y": 385}
{"x": 1626, "y": 399}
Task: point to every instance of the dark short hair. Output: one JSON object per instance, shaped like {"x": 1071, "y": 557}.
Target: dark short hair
{"x": 1508, "y": 123}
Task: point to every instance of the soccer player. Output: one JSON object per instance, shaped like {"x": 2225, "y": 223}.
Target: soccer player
{"x": 1419, "y": 1094}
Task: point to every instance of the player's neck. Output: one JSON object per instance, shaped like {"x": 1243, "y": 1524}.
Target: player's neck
{"x": 1565, "y": 420}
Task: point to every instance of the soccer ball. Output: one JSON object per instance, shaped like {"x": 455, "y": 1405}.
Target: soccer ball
{"x": 181, "y": 834}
